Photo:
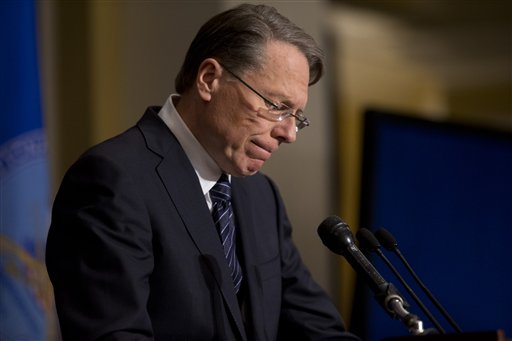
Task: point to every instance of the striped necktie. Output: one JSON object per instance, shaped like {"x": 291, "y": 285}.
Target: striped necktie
{"x": 222, "y": 213}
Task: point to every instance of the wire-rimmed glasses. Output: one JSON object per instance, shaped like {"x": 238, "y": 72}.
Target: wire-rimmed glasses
{"x": 275, "y": 112}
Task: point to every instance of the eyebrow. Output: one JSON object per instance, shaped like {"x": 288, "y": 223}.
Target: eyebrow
{"x": 285, "y": 100}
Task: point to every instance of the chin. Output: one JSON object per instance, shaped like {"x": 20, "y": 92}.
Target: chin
{"x": 251, "y": 167}
{"x": 252, "y": 172}
{"x": 254, "y": 167}
{"x": 245, "y": 172}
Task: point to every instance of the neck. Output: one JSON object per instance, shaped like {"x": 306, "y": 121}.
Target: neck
{"x": 188, "y": 108}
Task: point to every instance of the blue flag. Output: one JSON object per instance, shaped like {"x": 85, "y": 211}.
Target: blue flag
{"x": 26, "y": 302}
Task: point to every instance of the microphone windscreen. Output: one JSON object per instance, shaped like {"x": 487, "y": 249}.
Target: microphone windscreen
{"x": 335, "y": 234}
{"x": 329, "y": 223}
{"x": 386, "y": 239}
{"x": 367, "y": 240}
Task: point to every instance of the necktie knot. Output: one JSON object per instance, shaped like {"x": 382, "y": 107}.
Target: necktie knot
{"x": 222, "y": 190}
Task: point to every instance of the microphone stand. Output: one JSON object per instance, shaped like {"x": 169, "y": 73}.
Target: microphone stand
{"x": 396, "y": 306}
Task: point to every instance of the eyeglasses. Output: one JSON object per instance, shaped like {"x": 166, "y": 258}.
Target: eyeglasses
{"x": 275, "y": 112}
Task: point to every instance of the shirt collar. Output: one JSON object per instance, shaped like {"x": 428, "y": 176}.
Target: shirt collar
{"x": 206, "y": 169}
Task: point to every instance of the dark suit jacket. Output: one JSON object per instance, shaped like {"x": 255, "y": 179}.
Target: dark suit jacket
{"x": 133, "y": 252}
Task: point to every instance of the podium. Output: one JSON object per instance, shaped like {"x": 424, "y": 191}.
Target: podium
{"x": 496, "y": 335}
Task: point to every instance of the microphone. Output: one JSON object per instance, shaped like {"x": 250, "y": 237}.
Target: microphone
{"x": 389, "y": 242}
{"x": 368, "y": 241}
{"x": 336, "y": 235}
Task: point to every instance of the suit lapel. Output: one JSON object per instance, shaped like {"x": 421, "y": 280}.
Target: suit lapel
{"x": 246, "y": 226}
{"x": 180, "y": 180}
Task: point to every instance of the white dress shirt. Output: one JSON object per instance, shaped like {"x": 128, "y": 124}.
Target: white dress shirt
{"x": 208, "y": 172}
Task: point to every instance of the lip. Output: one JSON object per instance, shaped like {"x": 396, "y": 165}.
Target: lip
{"x": 262, "y": 151}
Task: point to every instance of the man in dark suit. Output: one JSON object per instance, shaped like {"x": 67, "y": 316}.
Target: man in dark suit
{"x": 133, "y": 251}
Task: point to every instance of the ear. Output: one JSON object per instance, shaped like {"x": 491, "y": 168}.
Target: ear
{"x": 208, "y": 76}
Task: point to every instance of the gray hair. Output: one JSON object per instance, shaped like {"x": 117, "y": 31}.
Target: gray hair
{"x": 237, "y": 39}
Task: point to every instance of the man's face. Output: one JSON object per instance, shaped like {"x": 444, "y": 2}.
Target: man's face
{"x": 233, "y": 132}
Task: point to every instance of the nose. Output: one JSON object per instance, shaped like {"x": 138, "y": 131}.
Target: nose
{"x": 285, "y": 131}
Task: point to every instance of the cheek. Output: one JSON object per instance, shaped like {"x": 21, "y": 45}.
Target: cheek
{"x": 236, "y": 142}
{"x": 237, "y": 128}
{"x": 237, "y": 153}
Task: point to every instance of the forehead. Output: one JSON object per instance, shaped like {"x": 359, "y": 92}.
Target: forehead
{"x": 284, "y": 73}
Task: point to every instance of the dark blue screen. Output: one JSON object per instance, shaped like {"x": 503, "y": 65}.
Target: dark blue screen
{"x": 445, "y": 192}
